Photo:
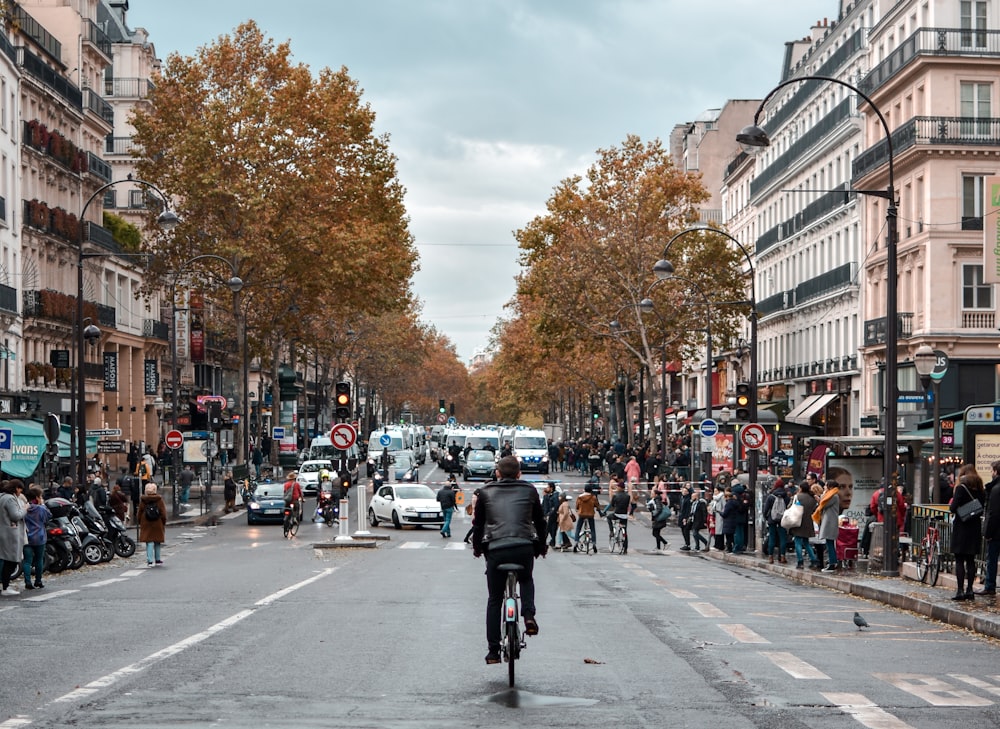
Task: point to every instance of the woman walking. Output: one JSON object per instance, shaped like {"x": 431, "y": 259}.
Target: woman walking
{"x": 566, "y": 519}
{"x": 967, "y": 535}
{"x": 152, "y": 523}
{"x": 13, "y": 536}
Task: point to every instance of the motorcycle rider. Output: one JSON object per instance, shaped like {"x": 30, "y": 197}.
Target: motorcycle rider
{"x": 508, "y": 527}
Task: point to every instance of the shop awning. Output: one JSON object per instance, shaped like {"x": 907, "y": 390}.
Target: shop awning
{"x": 810, "y": 406}
{"x": 29, "y": 446}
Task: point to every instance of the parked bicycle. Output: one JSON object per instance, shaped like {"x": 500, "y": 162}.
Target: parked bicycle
{"x": 928, "y": 561}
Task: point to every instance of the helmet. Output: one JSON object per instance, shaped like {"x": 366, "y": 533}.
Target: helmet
{"x": 324, "y": 475}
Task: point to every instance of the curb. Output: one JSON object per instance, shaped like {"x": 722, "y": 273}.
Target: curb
{"x": 944, "y": 613}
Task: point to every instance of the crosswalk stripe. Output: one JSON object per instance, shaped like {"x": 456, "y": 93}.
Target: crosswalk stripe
{"x": 742, "y": 633}
{"x": 865, "y": 711}
{"x": 794, "y": 666}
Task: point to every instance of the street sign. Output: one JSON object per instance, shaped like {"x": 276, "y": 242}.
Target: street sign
{"x": 6, "y": 444}
{"x": 343, "y": 436}
{"x": 278, "y": 432}
{"x": 174, "y": 439}
{"x": 442, "y": 418}
{"x": 753, "y": 436}
{"x": 708, "y": 444}
{"x": 940, "y": 365}
{"x": 210, "y": 449}
{"x": 111, "y": 446}
{"x": 917, "y": 397}
{"x": 385, "y": 440}
{"x": 708, "y": 428}
{"x": 869, "y": 421}
{"x": 452, "y": 421}
{"x": 356, "y": 424}
{"x": 111, "y": 432}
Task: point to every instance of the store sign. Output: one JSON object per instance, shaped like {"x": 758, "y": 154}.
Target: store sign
{"x": 111, "y": 372}
{"x": 150, "y": 377}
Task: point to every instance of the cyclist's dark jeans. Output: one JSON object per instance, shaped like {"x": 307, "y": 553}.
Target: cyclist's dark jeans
{"x": 496, "y": 583}
{"x": 579, "y": 525}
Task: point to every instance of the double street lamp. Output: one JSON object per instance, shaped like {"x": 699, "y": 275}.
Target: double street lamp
{"x": 167, "y": 220}
{"x": 754, "y": 139}
{"x": 664, "y": 269}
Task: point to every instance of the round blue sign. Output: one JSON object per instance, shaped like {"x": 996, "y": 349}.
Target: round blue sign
{"x": 384, "y": 440}
{"x": 708, "y": 428}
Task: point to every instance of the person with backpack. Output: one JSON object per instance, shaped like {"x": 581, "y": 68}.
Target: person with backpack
{"x": 774, "y": 508}
{"x": 152, "y": 523}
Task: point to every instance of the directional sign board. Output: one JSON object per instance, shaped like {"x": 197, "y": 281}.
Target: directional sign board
{"x": 6, "y": 444}
{"x": 174, "y": 439}
{"x": 385, "y": 440}
{"x": 278, "y": 432}
{"x": 753, "y": 436}
{"x": 343, "y": 436}
{"x": 111, "y": 432}
{"x": 708, "y": 428}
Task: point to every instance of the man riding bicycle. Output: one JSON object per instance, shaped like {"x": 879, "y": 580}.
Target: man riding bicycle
{"x": 617, "y": 511}
{"x": 508, "y": 527}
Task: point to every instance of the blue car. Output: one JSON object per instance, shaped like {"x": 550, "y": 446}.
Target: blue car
{"x": 267, "y": 504}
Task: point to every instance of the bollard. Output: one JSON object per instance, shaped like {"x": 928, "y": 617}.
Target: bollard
{"x": 362, "y": 531}
{"x": 343, "y": 536}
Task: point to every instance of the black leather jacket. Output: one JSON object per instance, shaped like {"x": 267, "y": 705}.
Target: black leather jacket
{"x": 508, "y": 514}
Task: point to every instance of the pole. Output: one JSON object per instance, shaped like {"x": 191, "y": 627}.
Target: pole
{"x": 663, "y": 404}
{"x": 177, "y": 456}
{"x": 936, "y": 470}
{"x": 890, "y": 535}
{"x": 708, "y": 385}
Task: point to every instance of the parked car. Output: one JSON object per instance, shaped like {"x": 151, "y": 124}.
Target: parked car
{"x": 479, "y": 464}
{"x": 267, "y": 504}
{"x": 309, "y": 475}
{"x": 405, "y": 504}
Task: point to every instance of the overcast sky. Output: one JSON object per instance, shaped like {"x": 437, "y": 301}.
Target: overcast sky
{"x": 490, "y": 103}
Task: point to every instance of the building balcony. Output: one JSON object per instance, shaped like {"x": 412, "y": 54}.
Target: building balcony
{"x": 940, "y": 131}
{"x": 8, "y": 298}
{"x": 95, "y": 37}
{"x": 93, "y": 102}
{"x": 98, "y": 167}
{"x": 935, "y": 43}
{"x": 812, "y": 213}
{"x": 127, "y": 88}
{"x": 978, "y": 319}
{"x": 119, "y": 145}
{"x": 55, "y": 305}
{"x": 45, "y": 75}
{"x": 837, "y": 278}
{"x": 156, "y": 329}
{"x": 776, "y": 302}
{"x": 875, "y": 328}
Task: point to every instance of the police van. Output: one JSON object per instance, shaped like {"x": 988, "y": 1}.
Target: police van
{"x": 531, "y": 447}
{"x": 321, "y": 448}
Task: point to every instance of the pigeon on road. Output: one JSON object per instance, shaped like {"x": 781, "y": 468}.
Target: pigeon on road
{"x": 860, "y": 621}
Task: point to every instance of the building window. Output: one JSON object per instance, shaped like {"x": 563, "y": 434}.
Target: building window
{"x": 973, "y": 19}
{"x": 972, "y": 202}
{"x": 975, "y": 109}
{"x": 975, "y": 293}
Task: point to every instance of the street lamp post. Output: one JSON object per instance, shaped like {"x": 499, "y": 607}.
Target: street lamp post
{"x": 167, "y": 220}
{"x": 754, "y": 139}
{"x": 235, "y": 284}
{"x": 664, "y": 269}
{"x": 925, "y": 359}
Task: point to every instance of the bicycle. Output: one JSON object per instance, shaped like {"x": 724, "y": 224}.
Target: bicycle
{"x": 291, "y": 522}
{"x": 512, "y": 641}
{"x": 928, "y": 562}
{"x": 618, "y": 541}
{"x": 586, "y": 541}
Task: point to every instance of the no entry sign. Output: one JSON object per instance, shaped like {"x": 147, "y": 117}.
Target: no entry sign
{"x": 174, "y": 439}
{"x": 343, "y": 436}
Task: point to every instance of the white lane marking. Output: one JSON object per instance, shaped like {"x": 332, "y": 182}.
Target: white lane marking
{"x": 742, "y": 633}
{"x": 682, "y": 594}
{"x": 133, "y": 573}
{"x": 16, "y": 721}
{"x": 794, "y": 666}
{"x": 643, "y": 573}
{"x": 932, "y": 689}
{"x": 455, "y": 545}
{"x": 978, "y": 682}
{"x": 182, "y": 645}
{"x": 413, "y": 545}
{"x": 865, "y": 711}
{"x": 708, "y": 610}
{"x": 49, "y": 596}
{"x": 102, "y": 583}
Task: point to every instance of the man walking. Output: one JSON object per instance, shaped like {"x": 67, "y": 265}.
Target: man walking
{"x": 446, "y": 497}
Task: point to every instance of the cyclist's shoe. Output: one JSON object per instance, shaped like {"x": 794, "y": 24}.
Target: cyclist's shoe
{"x": 530, "y": 626}
{"x": 493, "y": 657}
{"x": 575, "y": 548}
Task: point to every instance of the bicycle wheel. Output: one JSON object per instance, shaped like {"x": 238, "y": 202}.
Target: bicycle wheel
{"x": 612, "y": 542}
{"x": 921, "y": 564}
{"x": 294, "y": 528}
{"x": 512, "y": 646}
{"x": 934, "y": 567}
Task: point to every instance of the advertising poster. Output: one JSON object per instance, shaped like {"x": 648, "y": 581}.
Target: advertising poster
{"x": 722, "y": 456}
{"x": 817, "y": 460}
{"x": 859, "y": 478}
{"x": 987, "y": 450}
{"x": 197, "y": 324}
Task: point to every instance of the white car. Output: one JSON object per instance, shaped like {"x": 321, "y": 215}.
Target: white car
{"x": 309, "y": 475}
{"x": 402, "y": 504}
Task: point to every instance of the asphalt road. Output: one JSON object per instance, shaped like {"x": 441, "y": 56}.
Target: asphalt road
{"x": 242, "y": 628}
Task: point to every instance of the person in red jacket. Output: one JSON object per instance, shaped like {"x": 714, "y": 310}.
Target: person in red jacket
{"x": 878, "y": 503}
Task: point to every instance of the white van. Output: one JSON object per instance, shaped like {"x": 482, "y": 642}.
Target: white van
{"x": 396, "y": 441}
{"x": 482, "y": 440}
{"x": 531, "y": 447}
{"x": 321, "y": 448}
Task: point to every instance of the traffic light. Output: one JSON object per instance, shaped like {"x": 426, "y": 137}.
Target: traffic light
{"x": 743, "y": 402}
{"x": 595, "y": 412}
{"x": 451, "y": 408}
{"x": 342, "y": 400}
{"x": 215, "y": 415}
{"x": 441, "y": 408}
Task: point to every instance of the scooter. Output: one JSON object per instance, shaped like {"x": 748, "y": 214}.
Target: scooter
{"x": 64, "y": 531}
{"x": 96, "y": 526}
{"x": 124, "y": 545}
{"x": 94, "y": 549}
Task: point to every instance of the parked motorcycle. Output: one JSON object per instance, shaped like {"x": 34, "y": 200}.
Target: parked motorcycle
{"x": 63, "y": 533}
{"x": 123, "y": 544}
{"x": 94, "y": 548}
